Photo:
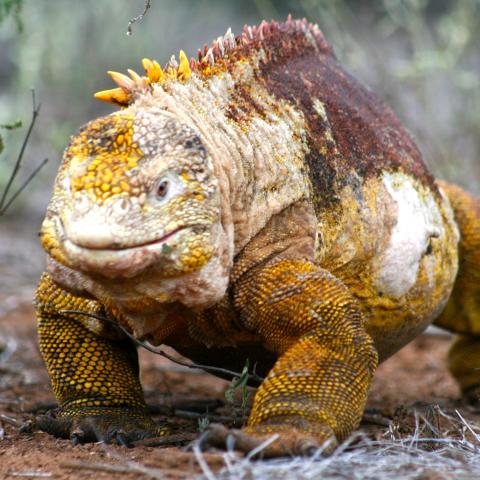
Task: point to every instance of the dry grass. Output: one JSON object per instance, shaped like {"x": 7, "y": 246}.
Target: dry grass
{"x": 451, "y": 451}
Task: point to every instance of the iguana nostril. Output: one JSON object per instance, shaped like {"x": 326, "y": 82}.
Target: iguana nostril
{"x": 82, "y": 203}
{"x": 121, "y": 206}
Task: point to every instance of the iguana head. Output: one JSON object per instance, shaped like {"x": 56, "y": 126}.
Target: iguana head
{"x": 135, "y": 191}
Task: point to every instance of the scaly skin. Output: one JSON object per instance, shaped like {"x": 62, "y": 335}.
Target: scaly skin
{"x": 462, "y": 313}
{"x": 312, "y": 338}
{"x": 258, "y": 204}
{"x": 92, "y": 373}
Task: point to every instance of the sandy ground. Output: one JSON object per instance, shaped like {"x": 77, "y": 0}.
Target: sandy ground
{"x": 413, "y": 380}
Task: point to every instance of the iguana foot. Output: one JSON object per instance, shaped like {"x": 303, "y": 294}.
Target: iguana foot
{"x": 110, "y": 425}
{"x": 286, "y": 441}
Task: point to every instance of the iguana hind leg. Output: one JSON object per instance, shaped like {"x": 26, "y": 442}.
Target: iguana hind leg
{"x": 315, "y": 393}
{"x": 462, "y": 313}
{"x": 95, "y": 379}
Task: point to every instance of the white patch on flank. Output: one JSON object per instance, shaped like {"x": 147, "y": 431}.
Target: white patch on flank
{"x": 418, "y": 221}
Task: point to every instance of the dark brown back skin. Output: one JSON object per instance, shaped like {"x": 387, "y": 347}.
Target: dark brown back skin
{"x": 369, "y": 137}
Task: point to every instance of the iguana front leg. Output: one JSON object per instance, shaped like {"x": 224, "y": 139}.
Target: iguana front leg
{"x": 317, "y": 389}
{"x": 95, "y": 379}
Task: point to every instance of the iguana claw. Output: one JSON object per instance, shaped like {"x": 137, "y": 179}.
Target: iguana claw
{"x": 275, "y": 444}
{"x": 122, "y": 426}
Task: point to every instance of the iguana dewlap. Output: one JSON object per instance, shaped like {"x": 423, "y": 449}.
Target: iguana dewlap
{"x": 260, "y": 204}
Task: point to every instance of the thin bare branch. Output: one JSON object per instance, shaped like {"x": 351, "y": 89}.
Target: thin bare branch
{"x": 4, "y": 204}
{"x": 253, "y": 376}
{"x": 23, "y": 186}
{"x": 376, "y": 419}
{"x": 99, "y": 467}
{"x": 10, "y": 420}
{"x": 167, "y": 440}
{"x": 31, "y": 474}
{"x": 214, "y": 418}
{"x": 16, "y": 168}
{"x": 148, "y": 4}
{"x": 197, "y": 405}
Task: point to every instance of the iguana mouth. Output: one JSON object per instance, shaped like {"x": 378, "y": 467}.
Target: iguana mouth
{"x": 114, "y": 246}
{"x": 121, "y": 261}
{"x": 137, "y": 245}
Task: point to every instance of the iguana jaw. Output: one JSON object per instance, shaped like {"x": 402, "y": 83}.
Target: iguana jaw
{"x": 170, "y": 254}
{"x": 124, "y": 262}
{"x": 158, "y": 241}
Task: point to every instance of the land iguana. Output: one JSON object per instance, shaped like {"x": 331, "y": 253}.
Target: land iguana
{"x": 257, "y": 203}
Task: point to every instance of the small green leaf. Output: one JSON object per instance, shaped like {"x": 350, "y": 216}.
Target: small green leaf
{"x": 167, "y": 248}
{"x": 12, "y": 126}
{"x": 238, "y": 382}
{"x": 14, "y": 8}
{"x": 230, "y": 391}
{"x": 2, "y": 146}
{"x": 202, "y": 424}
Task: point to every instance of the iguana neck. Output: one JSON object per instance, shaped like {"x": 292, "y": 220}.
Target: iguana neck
{"x": 256, "y": 141}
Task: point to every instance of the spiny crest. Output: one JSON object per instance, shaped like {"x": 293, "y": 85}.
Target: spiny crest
{"x": 225, "y": 50}
{"x": 128, "y": 85}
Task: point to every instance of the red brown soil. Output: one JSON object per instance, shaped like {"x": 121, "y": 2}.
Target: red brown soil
{"x": 416, "y": 375}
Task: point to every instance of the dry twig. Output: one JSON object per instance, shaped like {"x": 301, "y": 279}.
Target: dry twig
{"x": 376, "y": 418}
{"x": 99, "y": 467}
{"x": 30, "y": 474}
{"x": 4, "y": 203}
{"x": 148, "y": 4}
{"x": 167, "y": 440}
{"x": 10, "y": 420}
{"x": 251, "y": 376}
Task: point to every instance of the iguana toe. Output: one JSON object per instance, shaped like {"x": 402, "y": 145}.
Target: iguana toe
{"x": 122, "y": 426}
{"x": 270, "y": 443}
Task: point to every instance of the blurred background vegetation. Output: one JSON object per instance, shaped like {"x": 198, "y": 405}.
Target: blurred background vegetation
{"x": 421, "y": 56}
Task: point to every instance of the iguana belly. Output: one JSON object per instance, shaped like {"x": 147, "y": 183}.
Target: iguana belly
{"x": 393, "y": 242}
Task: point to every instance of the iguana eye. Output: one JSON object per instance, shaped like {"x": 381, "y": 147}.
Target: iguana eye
{"x": 168, "y": 186}
{"x": 162, "y": 189}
